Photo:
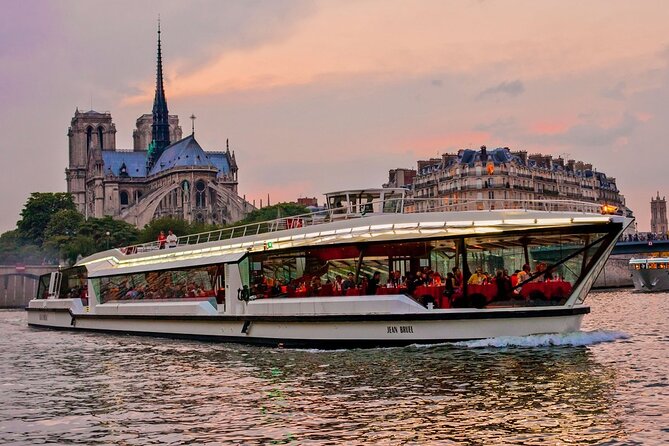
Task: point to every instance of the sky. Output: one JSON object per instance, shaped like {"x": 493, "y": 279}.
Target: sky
{"x": 317, "y": 96}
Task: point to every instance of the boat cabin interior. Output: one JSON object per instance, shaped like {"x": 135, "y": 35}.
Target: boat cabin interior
{"x": 516, "y": 269}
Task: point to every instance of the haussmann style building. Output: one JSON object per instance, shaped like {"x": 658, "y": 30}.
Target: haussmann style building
{"x": 502, "y": 179}
{"x": 163, "y": 175}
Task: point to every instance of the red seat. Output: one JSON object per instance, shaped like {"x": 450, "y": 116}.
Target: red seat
{"x": 326, "y": 290}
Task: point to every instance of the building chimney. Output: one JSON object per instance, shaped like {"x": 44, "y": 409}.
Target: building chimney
{"x": 484, "y": 154}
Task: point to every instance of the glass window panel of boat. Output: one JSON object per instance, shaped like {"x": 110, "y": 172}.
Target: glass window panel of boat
{"x": 110, "y": 288}
{"x": 43, "y": 286}
{"x": 244, "y": 271}
{"x": 391, "y": 203}
{"x": 73, "y": 283}
{"x": 170, "y": 284}
{"x": 369, "y": 204}
{"x": 337, "y": 203}
{"x": 551, "y": 257}
{"x": 373, "y": 264}
{"x": 296, "y": 270}
{"x": 443, "y": 257}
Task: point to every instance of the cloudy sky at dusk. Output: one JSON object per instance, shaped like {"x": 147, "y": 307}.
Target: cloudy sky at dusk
{"x": 317, "y": 96}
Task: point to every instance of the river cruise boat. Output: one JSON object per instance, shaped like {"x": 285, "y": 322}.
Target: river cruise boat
{"x": 369, "y": 270}
{"x": 651, "y": 274}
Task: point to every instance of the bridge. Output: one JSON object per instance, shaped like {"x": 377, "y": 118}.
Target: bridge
{"x": 641, "y": 247}
{"x": 18, "y": 283}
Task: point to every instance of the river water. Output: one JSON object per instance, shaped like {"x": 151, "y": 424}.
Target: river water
{"x": 608, "y": 384}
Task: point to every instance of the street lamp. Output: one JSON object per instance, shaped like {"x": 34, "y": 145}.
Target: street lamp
{"x": 108, "y": 234}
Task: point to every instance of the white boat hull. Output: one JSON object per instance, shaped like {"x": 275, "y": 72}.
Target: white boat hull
{"x": 650, "y": 280}
{"x": 331, "y": 331}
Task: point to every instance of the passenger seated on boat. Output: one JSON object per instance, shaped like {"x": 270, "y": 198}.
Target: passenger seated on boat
{"x": 420, "y": 279}
{"x": 410, "y": 283}
{"x": 373, "y": 283}
{"x": 478, "y": 278}
{"x": 348, "y": 284}
{"x": 449, "y": 286}
{"x": 524, "y": 275}
{"x": 315, "y": 286}
{"x": 503, "y": 283}
{"x": 337, "y": 285}
{"x": 539, "y": 272}
{"x": 362, "y": 286}
{"x": 458, "y": 276}
{"x": 395, "y": 279}
{"x": 275, "y": 289}
{"x": 514, "y": 278}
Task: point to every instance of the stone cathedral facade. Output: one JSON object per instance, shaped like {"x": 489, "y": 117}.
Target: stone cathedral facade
{"x": 163, "y": 174}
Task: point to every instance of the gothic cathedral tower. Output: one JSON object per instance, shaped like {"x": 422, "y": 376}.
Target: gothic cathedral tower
{"x": 86, "y": 129}
{"x": 658, "y": 215}
{"x": 160, "y": 128}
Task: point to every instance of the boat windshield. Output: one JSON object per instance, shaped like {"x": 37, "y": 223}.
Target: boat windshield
{"x": 71, "y": 283}
{"x": 514, "y": 269}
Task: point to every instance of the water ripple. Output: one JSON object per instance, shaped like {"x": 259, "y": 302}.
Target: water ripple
{"x": 605, "y": 385}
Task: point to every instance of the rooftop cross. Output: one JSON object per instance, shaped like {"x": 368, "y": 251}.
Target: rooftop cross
{"x": 192, "y": 119}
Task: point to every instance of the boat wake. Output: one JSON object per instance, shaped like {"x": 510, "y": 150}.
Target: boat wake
{"x": 578, "y": 338}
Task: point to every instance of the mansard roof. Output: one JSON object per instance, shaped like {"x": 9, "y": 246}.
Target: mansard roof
{"x": 221, "y": 160}
{"x": 135, "y": 163}
{"x": 498, "y": 156}
{"x": 184, "y": 153}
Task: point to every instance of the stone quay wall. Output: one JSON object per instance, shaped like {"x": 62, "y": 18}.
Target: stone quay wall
{"x": 616, "y": 273}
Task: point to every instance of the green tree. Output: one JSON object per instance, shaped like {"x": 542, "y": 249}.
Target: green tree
{"x": 272, "y": 212}
{"x": 65, "y": 222}
{"x": 108, "y": 233}
{"x": 37, "y": 213}
{"x": 79, "y": 246}
{"x": 15, "y": 249}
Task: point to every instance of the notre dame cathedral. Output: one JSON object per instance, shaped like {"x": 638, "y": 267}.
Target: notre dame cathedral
{"x": 163, "y": 175}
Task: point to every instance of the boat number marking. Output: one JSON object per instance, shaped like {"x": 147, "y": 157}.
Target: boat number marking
{"x": 400, "y": 329}
{"x": 43, "y": 317}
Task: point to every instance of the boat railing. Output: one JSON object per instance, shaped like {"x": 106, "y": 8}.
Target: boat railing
{"x": 388, "y": 206}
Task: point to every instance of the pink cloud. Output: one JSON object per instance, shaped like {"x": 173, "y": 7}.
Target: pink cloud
{"x": 550, "y": 127}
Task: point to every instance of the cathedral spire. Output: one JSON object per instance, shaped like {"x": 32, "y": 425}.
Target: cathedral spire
{"x": 160, "y": 129}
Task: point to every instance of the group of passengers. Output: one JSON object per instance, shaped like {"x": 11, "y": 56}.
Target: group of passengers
{"x": 178, "y": 291}
{"x": 170, "y": 240}
{"x": 644, "y": 236}
{"x": 507, "y": 286}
